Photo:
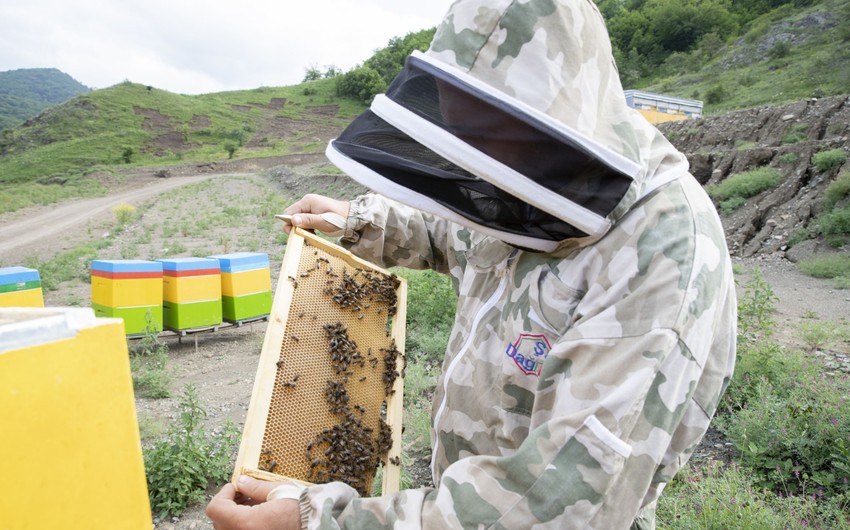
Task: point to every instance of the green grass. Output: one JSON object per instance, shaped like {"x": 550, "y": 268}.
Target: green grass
{"x": 797, "y": 133}
{"x": 818, "y": 67}
{"x": 712, "y": 496}
{"x": 828, "y": 159}
{"x": 837, "y": 191}
{"x": 104, "y": 126}
{"x": 835, "y": 266}
{"x": 745, "y": 185}
{"x": 21, "y": 195}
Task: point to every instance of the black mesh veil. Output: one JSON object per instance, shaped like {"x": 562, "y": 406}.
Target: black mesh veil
{"x": 427, "y": 110}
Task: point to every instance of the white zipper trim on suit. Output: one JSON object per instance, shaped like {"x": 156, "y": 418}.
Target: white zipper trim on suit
{"x": 447, "y": 376}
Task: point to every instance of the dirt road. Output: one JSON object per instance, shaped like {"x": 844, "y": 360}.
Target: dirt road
{"x": 46, "y": 225}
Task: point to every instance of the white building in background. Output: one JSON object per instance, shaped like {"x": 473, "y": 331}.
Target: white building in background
{"x": 658, "y": 108}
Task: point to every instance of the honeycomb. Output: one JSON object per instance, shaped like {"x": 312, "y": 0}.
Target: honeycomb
{"x": 334, "y": 369}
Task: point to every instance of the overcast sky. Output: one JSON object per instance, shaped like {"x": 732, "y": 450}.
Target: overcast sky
{"x": 202, "y": 46}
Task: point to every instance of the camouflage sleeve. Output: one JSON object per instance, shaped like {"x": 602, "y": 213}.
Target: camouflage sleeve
{"x": 391, "y": 234}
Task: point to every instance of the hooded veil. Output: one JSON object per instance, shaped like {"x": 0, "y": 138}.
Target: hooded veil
{"x": 514, "y": 123}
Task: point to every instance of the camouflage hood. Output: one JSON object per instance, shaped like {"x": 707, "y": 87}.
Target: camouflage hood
{"x": 514, "y": 123}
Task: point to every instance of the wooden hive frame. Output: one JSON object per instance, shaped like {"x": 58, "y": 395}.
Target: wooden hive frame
{"x": 327, "y": 398}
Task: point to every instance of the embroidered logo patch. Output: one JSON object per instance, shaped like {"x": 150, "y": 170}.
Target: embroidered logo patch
{"x": 528, "y": 352}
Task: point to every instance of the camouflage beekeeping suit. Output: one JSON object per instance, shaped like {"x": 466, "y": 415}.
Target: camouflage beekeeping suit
{"x": 576, "y": 381}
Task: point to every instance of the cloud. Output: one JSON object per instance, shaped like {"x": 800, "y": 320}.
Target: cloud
{"x": 194, "y": 46}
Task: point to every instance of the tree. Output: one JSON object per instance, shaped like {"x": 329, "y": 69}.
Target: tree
{"x": 231, "y": 148}
{"x": 361, "y": 83}
{"x": 677, "y": 25}
{"x": 311, "y": 73}
{"x": 389, "y": 61}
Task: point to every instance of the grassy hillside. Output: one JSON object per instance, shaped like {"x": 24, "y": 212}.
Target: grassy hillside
{"x": 787, "y": 54}
{"x": 27, "y": 91}
{"x": 782, "y": 56}
{"x": 135, "y": 125}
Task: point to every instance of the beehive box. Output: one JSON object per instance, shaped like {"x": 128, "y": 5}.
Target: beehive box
{"x": 246, "y": 286}
{"x": 20, "y": 287}
{"x": 327, "y": 399}
{"x": 130, "y": 290}
{"x": 71, "y": 452}
{"x": 191, "y": 293}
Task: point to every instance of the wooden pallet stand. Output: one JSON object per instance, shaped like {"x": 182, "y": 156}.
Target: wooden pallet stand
{"x": 327, "y": 399}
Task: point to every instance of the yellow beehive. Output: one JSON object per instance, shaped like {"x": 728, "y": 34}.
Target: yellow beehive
{"x": 126, "y": 292}
{"x": 28, "y": 298}
{"x": 183, "y": 289}
{"x": 71, "y": 455}
{"x": 20, "y": 287}
{"x": 245, "y": 282}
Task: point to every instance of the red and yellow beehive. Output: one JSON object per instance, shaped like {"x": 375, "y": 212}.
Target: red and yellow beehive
{"x": 130, "y": 290}
{"x": 72, "y": 456}
{"x": 191, "y": 293}
{"x": 20, "y": 287}
{"x": 246, "y": 285}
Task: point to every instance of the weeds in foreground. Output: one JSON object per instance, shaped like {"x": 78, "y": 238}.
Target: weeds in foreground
{"x": 148, "y": 365}
{"x": 785, "y": 412}
{"x": 711, "y": 495}
{"x": 188, "y": 459}
{"x": 817, "y": 335}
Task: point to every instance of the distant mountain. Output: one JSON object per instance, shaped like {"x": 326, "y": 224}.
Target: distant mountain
{"x": 25, "y": 92}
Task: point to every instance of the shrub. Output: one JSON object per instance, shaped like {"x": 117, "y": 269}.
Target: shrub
{"x": 835, "y": 226}
{"x": 361, "y": 83}
{"x": 230, "y": 147}
{"x": 730, "y": 205}
{"x": 745, "y": 184}
{"x": 821, "y": 334}
{"x": 826, "y": 160}
{"x": 124, "y": 214}
{"x": 794, "y": 427}
{"x": 182, "y": 465}
{"x": 779, "y": 50}
{"x": 755, "y": 309}
{"x": 715, "y": 94}
{"x": 837, "y": 191}
{"x": 787, "y": 418}
{"x": 797, "y": 133}
{"x": 149, "y": 364}
{"x": 798, "y": 236}
{"x": 788, "y": 158}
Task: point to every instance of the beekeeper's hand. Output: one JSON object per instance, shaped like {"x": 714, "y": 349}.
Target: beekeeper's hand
{"x": 251, "y": 509}
{"x": 317, "y": 212}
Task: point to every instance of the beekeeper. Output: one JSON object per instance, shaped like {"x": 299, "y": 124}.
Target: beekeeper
{"x": 596, "y": 319}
